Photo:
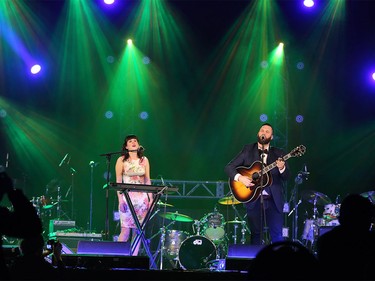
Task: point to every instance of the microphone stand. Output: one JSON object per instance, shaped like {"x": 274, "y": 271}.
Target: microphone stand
{"x": 92, "y": 164}
{"x": 108, "y": 157}
{"x": 264, "y": 228}
{"x": 298, "y": 180}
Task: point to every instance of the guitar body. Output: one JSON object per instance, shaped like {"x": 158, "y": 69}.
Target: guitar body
{"x": 246, "y": 194}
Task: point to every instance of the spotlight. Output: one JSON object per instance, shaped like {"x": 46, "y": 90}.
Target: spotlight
{"x": 35, "y": 69}
{"x": 108, "y": 114}
{"x": 110, "y": 59}
{"x": 300, "y": 65}
{"x": 263, "y": 117}
{"x": 129, "y": 41}
{"x": 143, "y": 115}
{"x": 3, "y": 113}
{"x": 299, "y": 118}
{"x": 109, "y": 2}
{"x": 373, "y": 76}
{"x": 264, "y": 64}
{"x": 308, "y": 3}
{"x": 146, "y": 60}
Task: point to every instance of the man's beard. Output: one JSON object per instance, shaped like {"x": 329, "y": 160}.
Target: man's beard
{"x": 264, "y": 141}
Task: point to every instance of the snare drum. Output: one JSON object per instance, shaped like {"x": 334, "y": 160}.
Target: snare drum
{"x": 173, "y": 240}
{"x": 213, "y": 226}
{"x": 196, "y": 252}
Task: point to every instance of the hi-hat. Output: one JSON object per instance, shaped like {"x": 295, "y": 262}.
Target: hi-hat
{"x": 230, "y": 200}
{"x": 370, "y": 195}
{"x": 312, "y": 196}
{"x": 160, "y": 203}
{"x": 176, "y": 217}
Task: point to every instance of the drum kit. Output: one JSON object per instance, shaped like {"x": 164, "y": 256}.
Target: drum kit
{"x": 329, "y": 217}
{"x": 206, "y": 245}
{"x": 48, "y": 206}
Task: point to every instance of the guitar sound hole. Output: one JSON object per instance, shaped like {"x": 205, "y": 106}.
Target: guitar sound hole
{"x": 255, "y": 176}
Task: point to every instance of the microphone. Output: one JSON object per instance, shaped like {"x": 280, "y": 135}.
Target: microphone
{"x": 63, "y": 160}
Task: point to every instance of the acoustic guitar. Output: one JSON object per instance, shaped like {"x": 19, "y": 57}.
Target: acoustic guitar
{"x": 246, "y": 194}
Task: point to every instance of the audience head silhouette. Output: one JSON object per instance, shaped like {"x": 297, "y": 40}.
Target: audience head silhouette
{"x": 272, "y": 261}
{"x": 356, "y": 212}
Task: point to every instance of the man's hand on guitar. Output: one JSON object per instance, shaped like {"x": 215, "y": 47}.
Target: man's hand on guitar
{"x": 246, "y": 181}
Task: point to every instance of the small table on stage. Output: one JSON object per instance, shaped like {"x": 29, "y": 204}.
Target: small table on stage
{"x": 158, "y": 191}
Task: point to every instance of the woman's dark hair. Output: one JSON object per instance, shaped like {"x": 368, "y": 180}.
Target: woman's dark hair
{"x": 126, "y": 152}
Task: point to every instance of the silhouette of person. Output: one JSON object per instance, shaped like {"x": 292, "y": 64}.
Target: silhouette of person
{"x": 32, "y": 264}
{"x": 284, "y": 260}
{"x": 23, "y": 221}
{"x": 348, "y": 250}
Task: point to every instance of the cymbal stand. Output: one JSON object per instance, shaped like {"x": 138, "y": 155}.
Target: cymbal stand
{"x": 234, "y": 236}
{"x": 243, "y": 231}
{"x": 161, "y": 245}
{"x": 241, "y": 218}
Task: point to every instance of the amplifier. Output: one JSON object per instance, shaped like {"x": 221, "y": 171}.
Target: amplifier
{"x": 71, "y": 239}
{"x": 56, "y": 225}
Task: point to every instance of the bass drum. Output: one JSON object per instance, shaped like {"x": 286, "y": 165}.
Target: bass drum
{"x": 196, "y": 252}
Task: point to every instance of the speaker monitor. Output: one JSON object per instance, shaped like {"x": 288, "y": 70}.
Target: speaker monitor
{"x": 243, "y": 251}
{"x": 103, "y": 248}
{"x": 240, "y": 256}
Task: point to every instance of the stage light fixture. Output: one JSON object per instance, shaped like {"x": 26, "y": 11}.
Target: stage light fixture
{"x": 300, "y": 65}
{"x": 109, "y": 2}
{"x": 308, "y": 3}
{"x": 129, "y": 41}
{"x": 108, "y": 114}
{"x": 299, "y": 118}
{"x": 143, "y": 115}
{"x": 35, "y": 69}
{"x": 3, "y": 113}
{"x": 263, "y": 117}
{"x": 373, "y": 76}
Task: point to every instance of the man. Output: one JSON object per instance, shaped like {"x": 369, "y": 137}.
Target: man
{"x": 265, "y": 187}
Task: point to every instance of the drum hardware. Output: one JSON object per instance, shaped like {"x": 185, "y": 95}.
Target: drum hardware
{"x": 236, "y": 223}
{"x": 160, "y": 203}
{"x": 370, "y": 195}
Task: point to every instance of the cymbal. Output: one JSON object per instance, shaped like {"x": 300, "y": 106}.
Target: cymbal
{"x": 229, "y": 200}
{"x": 236, "y": 221}
{"x": 160, "y": 203}
{"x": 46, "y": 207}
{"x": 320, "y": 198}
{"x": 370, "y": 195}
{"x": 176, "y": 217}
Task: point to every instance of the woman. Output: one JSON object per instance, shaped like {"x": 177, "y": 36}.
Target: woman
{"x": 133, "y": 167}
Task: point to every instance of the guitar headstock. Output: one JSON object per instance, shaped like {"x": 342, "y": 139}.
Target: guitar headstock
{"x": 298, "y": 151}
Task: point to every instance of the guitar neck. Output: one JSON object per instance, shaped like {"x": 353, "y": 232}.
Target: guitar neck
{"x": 273, "y": 165}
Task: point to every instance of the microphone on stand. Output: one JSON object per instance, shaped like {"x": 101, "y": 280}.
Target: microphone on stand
{"x": 63, "y": 160}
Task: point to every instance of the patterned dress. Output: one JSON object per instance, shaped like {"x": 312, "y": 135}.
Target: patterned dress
{"x": 134, "y": 172}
